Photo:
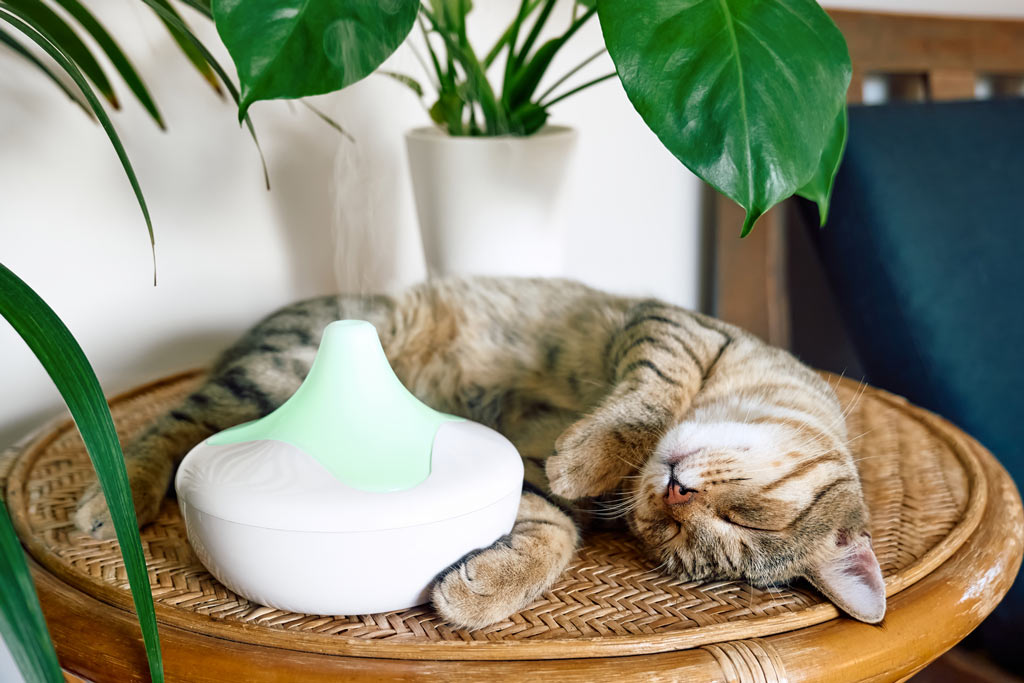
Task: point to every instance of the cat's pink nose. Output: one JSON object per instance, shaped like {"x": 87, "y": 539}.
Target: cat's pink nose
{"x": 677, "y": 495}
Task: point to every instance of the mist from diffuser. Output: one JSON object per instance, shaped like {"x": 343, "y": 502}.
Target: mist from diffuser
{"x": 350, "y": 497}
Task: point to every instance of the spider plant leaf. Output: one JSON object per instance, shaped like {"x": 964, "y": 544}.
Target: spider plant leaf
{"x": 25, "y": 25}
{"x": 819, "y": 188}
{"x": 181, "y": 33}
{"x": 477, "y": 87}
{"x": 63, "y": 36}
{"x": 296, "y": 48}
{"x": 526, "y": 78}
{"x": 117, "y": 57}
{"x": 328, "y": 120}
{"x": 22, "y": 624}
{"x": 404, "y": 79}
{"x": 744, "y": 93}
{"x": 18, "y": 48}
{"x": 63, "y": 359}
{"x": 174, "y": 20}
{"x": 528, "y": 118}
{"x": 201, "y": 6}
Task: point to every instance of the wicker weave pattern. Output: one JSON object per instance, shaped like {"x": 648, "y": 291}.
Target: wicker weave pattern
{"x": 610, "y": 592}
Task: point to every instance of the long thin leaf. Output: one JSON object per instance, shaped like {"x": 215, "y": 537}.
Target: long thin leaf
{"x": 17, "y": 47}
{"x": 22, "y": 624}
{"x": 201, "y": 6}
{"x": 63, "y": 36}
{"x": 569, "y": 93}
{"x": 27, "y": 26}
{"x": 531, "y": 38}
{"x": 328, "y": 120}
{"x": 570, "y": 73}
{"x": 527, "y": 77}
{"x": 182, "y": 35}
{"x": 492, "y": 54}
{"x": 174, "y": 20}
{"x": 63, "y": 359}
{"x": 117, "y": 57}
{"x": 406, "y": 80}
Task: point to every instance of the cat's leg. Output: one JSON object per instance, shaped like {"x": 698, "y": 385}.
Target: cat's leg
{"x": 227, "y": 399}
{"x": 656, "y": 363}
{"x": 490, "y": 584}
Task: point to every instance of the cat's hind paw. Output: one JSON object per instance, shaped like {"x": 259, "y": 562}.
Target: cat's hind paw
{"x": 93, "y": 517}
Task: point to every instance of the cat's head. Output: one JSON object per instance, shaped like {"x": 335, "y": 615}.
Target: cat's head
{"x": 765, "y": 502}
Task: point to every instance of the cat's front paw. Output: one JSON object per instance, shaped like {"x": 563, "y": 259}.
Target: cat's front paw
{"x": 592, "y": 457}
{"x": 475, "y": 593}
{"x": 489, "y": 585}
{"x": 148, "y": 489}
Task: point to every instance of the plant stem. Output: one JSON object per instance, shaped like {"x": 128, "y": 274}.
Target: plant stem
{"x": 572, "y": 71}
{"x": 577, "y": 89}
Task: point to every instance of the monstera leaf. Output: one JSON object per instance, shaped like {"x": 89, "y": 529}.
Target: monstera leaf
{"x": 295, "y": 48}
{"x": 819, "y": 188}
{"x": 745, "y": 93}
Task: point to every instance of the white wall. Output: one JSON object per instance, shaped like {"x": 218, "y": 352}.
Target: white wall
{"x": 228, "y": 251}
{"x": 967, "y": 8}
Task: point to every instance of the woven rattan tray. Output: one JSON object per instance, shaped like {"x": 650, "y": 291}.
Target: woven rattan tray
{"x": 924, "y": 485}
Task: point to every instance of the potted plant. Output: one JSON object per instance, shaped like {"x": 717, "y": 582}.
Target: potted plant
{"x": 748, "y": 95}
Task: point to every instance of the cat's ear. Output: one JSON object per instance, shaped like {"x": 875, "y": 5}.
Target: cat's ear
{"x": 851, "y": 578}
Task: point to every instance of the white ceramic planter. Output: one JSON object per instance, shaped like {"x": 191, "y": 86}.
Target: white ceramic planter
{"x": 491, "y": 206}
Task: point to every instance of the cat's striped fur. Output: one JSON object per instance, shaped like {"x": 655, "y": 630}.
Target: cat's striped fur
{"x": 726, "y": 458}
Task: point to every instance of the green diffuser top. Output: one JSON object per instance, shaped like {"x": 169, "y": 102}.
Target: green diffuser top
{"x": 353, "y": 415}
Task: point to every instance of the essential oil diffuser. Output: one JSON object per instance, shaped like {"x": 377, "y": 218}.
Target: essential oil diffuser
{"x": 352, "y": 496}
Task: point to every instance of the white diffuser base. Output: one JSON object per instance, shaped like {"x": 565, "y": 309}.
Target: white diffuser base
{"x": 273, "y": 525}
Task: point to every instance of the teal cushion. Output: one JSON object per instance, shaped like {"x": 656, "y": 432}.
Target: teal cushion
{"x": 925, "y": 249}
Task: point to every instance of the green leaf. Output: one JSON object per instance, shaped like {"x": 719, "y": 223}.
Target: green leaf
{"x": 476, "y": 87}
{"x": 295, "y": 48}
{"x": 819, "y": 188}
{"x": 46, "y": 21}
{"x": 10, "y": 42}
{"x": 179, "y": 25}
{"x": 22, "y": 624}
{"x": 328, "y": 120}
{"x": 182, "y": 35}
{"x": 742, "y": 92}
{"x": 526, "y": 79}
{"x": 115, "y": 54}
{"x": 529, "y": 118}
{"x": 201, "y": 6}
{"x": 26, "y": 25}
{"x": 63, "y": 359}
{"x": 447, "y": 112}
{"x": 407, "y": 81}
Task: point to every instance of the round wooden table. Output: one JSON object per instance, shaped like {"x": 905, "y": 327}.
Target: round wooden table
{"x": 947, "y": 527}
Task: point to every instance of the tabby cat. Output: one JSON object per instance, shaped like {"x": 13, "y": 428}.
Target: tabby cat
{"x": 726, "y": 457}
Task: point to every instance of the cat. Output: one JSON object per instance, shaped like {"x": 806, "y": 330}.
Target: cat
{"x": 728, "y": 457}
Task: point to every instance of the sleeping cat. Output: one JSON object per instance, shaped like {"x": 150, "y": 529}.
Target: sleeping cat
{"x": 727, "y": 457}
